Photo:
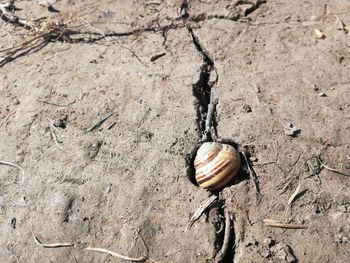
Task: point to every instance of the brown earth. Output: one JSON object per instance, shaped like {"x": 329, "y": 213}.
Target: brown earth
{"x": 131, "y": 172}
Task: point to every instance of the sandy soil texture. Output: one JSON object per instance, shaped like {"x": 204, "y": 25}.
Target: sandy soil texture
{"x": 103, "y": 104}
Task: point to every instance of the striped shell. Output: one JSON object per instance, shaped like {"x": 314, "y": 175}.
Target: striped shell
{"x": 216, "y": 164}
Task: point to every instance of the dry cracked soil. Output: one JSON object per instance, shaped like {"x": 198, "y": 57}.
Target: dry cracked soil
{"x": 101, "y": 116}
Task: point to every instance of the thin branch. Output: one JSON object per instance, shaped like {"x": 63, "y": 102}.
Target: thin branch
{"x": 275, "y": 223}
{"x": 53, "y": 245}
{"x": 220, "y": 256}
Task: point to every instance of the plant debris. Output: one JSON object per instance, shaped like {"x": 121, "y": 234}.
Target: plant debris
{"x": 315, "y": 165}
{"x": 200, "y": 210}
{"x": 278, "y": 224}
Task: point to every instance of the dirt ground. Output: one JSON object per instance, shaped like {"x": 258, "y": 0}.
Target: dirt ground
{"x": 142, "y": 64}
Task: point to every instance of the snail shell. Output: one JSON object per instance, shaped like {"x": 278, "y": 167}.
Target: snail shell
{"x": 216, "y": 164}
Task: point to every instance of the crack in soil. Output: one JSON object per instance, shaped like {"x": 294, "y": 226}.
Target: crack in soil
{"x": 202, "y": 89}
{"x": 73, "y": 36}
{"x": 202, "y": 92}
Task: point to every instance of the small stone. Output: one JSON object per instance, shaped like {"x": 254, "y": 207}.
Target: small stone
{"x": 319, "y": 34}
{"x": 290, "y": 129}
{"x": 322, "y": 94}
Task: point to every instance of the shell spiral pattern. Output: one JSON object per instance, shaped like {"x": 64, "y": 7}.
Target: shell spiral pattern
{"x": 216, "y": 164}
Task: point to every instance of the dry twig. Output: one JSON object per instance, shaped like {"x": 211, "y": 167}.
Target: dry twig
{"x": 204, "y": 205}
{"x": 222, "y": 253}
{"x": 11, "y": 164}
{"x": 8, "y": 16}
{"x": 275, "y": 223}
{"x": 53, "y": 245}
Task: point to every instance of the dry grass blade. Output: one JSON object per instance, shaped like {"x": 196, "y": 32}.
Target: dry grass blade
{"x": 53, "y": 245}
{"x": 98, "y": 124}
{"x": 293, "y": 196}
{"x": 114, "y": 254}
{"x": 275, "y": 223}
{"x": 204, "y": 205}
{"x": 117, "y": 255}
